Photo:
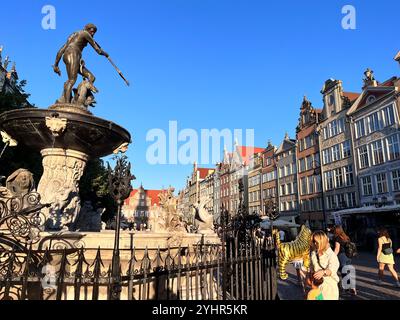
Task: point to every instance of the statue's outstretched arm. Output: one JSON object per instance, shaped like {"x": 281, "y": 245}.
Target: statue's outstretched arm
{"x": 95, "y": 45}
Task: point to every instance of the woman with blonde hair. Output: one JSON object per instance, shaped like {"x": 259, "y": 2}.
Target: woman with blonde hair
{"x": 325, "y": 264}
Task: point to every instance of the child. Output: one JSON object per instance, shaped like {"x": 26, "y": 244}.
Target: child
{"x": 315, "y": 293}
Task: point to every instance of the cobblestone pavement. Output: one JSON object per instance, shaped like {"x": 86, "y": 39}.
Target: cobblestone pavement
{"x": 367, "y": 287}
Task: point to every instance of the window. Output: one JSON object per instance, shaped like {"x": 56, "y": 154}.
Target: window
{"x": 377, "y": 152}
{"x": 394, "y": 147}
{"x": 351, "y": 199}
{"x": 366, "y": 186}
{"x": 360, "y": 128}
{"x": 349, "y": 175}
{"x": 396, "y": 180}
{"x": 363, "y": 157}
{"x": 373, "y": 123}
{"x": 333, "y": 128}
{"x": 381, "y": 183}
{"x": 294, "y": 169}
{"x": 341, "y": 125}
{"x": 339, "y": 178}
{"x": 311, "y": 185}
{"x": 303, "y": 186}
{"x": 389, "y": 116}
{"x": 302, "y": 165}
{"x": 327, "y": 156}
{"x": 318, "y": 183}
{"x": 288, "y": 171}
{"x": 310, "y": 163}
{"x": 341, "y": 200}
{"x": 329, "y": 180}
{"x": 346, "y": 149}
{"x": 283, "y": 190}
{"x": 336, "y": 153}
{"x": 289, "y": 188}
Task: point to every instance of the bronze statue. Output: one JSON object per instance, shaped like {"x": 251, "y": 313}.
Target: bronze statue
{"x": 71, "y": 53}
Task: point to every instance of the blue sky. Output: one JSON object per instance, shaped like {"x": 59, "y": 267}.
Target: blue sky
{"x": 237, "y": 64}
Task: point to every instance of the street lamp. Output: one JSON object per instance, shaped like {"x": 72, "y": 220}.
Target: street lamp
{"x": 317, "y": 171}
{"x": 119, "y": 183}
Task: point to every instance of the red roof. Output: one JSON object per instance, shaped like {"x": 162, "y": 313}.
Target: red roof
{"x": 204, "y": 172}
{"x": 247, "y": 152}
{"x": 152, "y": 194}
{"x": 353, "y": 96}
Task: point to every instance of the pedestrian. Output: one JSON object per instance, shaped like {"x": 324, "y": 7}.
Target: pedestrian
{"x": 341, "y": 242}
{"x": 385, "y": 255}
{"x": 325, "y": 265}
{"x": 282, "y": 235}
{"x": 315, "y": 293}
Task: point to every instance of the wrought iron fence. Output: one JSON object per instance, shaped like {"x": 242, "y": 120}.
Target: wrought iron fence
{"x": 201, "y": 272}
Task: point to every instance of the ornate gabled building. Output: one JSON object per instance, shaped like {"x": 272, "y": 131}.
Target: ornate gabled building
{"x": 336, "y": 148}
{"x": 308, "y": 166}
{"x": 137, "y": 207}
{"x": 269, "y": 176}
{"x": 375, "y": 128}
{"x": 235, "y": 167}
{"x": 255, "y": 188}
{"x": 286, "y": 163}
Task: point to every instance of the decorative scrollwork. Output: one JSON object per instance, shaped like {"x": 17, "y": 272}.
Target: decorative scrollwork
{"x": 21, "y": 217}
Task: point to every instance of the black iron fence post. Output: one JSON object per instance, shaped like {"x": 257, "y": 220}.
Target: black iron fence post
{"x": 120, "y": 188}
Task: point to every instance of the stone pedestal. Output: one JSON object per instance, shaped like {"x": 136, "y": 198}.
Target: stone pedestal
{"x": 59, "y": 186}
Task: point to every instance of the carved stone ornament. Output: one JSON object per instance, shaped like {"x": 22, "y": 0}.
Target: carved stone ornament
{"x": 123, "y": 148}
{"x": 56, "y": 125}
{"x": 59, "y": 186}
{"x": 8, "y": 140}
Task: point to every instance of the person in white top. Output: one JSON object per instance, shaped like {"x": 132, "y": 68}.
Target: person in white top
{"x": 325, "y": 264}
{"x": 282, "y": 235}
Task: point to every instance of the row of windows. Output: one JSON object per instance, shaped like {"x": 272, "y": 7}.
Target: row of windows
{"x": 311, "y": 205}
{"x": 288, "y": 189}
{"x": 375, "y": 122}
{"x": 254, "y": 181}
{"x": 287, "y": 170}
{"x": 308, "y": 142}
{"x": 288, "y": 206}
{"x": 268, "y": 177}
{"x": 285, "y": 155}
{"x": 379, "y": 151}
{"x": 334, "y": 128}
{"x": 339, "y": 178}
{"x": 337, "y": 152}
{"x": 254, "y": 196}
{"x": 310, "y": 185}
{"x": 381, "y": 183}
{"x": 309, "y": 163}
{"x": 341, "y": 201}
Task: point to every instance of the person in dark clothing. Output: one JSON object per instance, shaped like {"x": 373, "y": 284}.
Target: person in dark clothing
{"x": 340, "y": 239}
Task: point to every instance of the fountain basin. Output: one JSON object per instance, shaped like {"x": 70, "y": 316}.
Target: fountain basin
{"x": 85, "y": 133}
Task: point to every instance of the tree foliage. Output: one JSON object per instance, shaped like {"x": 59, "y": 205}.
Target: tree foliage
{"x": 20, "y": 156}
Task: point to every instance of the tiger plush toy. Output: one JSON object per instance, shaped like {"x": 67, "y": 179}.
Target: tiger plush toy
{"x": 298, "y": 249}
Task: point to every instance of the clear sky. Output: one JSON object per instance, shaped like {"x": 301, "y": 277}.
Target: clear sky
{"x": 237, "y": 64}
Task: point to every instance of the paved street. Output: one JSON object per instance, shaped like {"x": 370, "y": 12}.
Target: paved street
{"x": 367, "y": 287}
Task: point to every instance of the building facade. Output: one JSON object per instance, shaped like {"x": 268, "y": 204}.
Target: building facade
{"x": 375, "y": 124}
{"x": 335, "y": 142}
{"x": 255, "y": 187}
{"x": 269, "y": 176}
{"x": 308, "y": 167}
{"x": 286, "y": 163}
{"x": 137, "y": 207}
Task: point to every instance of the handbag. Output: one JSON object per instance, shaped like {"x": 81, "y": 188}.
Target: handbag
{"x": 388, "y": 251}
